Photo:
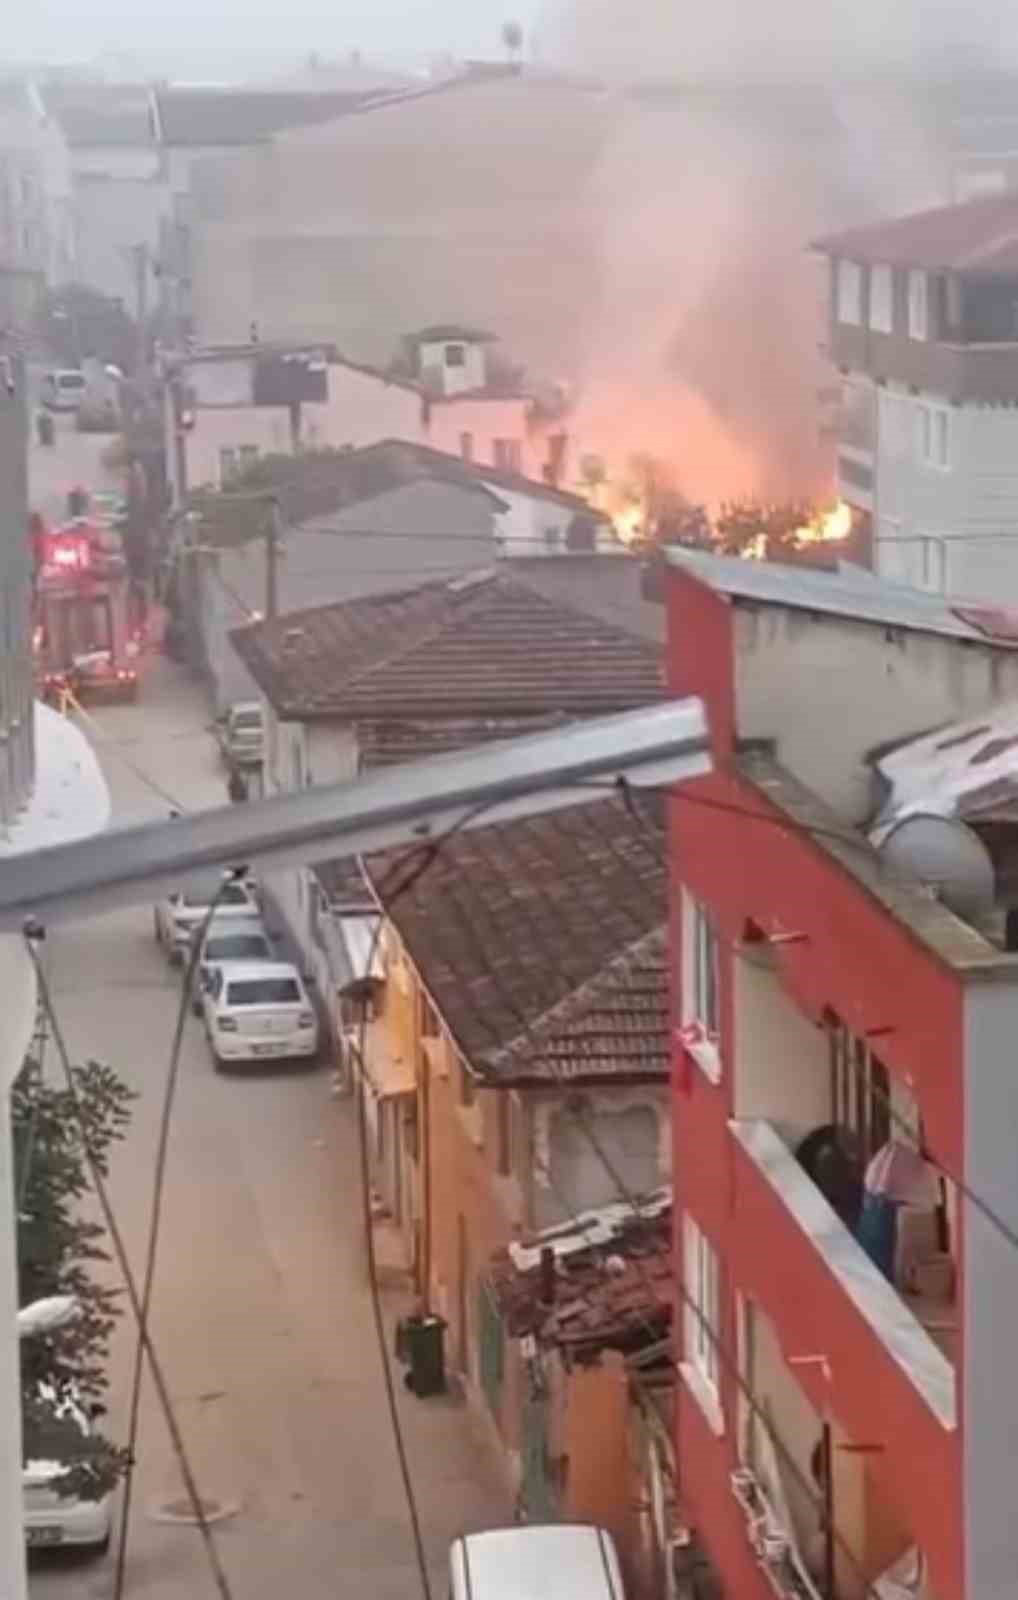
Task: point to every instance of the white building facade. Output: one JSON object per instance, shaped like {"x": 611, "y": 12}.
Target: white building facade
{"x": 924, "y": 331}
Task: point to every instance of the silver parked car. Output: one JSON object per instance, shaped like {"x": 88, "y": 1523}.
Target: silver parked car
{"x": 227, "y": 940}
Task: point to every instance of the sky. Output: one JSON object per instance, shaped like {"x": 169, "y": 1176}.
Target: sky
{"x": 82, "y": 29}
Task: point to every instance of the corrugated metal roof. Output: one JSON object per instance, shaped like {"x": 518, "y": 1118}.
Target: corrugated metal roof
{"x": 967, "y": 770}
{"x": 848, "y": 592}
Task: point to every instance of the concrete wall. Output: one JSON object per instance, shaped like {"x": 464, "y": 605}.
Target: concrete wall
{"x": 362, "y": 408}
{"x": 989, "y": 1291}
{"x": 434, "y": 369}
{"x": 219, "y": 428}
{"x": 830, "y": 689}
{"x": 111, "y": 216}
{"x": 631, "y": 1128}
{"x": 781, "y": 1058}
{"x": 486, "y": 421}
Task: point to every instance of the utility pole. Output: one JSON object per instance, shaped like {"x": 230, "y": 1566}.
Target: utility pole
{"x": 139, "y": 254}
{"x": 273, "y": 535}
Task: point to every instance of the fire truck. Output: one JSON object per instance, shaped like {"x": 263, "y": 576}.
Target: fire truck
{"x": 85, "y": 640}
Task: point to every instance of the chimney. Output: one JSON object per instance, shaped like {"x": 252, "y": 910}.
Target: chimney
{"x": 546, "y": 1282}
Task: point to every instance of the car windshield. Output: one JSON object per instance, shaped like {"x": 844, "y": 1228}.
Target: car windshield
{"x": 263, "y": 992}
{"x": 230, "y": 894}
{"x": 70, "y": 380}
{"x": 248, "y": 721}
{"x": 237, "y": 947}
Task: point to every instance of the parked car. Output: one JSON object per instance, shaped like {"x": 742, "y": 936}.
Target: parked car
{"x": 258, "y": 1010}
{"x": 180, "y": 914}
{"x": 52, "y": 1519}
{"x": 228, "y": 940}
{"x": 63, "y": 389}
{"x": 242, "y": 734}
{"x": 573, "y": 1561}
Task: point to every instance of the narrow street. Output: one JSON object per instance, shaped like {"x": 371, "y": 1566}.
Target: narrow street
{"x": 261, "y": 1312}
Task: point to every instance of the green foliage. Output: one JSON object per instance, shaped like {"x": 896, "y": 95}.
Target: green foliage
{"x": 60, "y": 1251}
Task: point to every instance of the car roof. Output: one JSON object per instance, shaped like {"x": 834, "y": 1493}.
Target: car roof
{"x": 208, "y": 883}
{"x": 515, "y": 1563}
{"x": 242, "y": 971}
{"x": 246, "y": 705}
{"x": 243, "y": 922}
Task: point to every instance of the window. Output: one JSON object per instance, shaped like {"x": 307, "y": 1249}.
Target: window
{"x": 933, "y": 565}
{"x": 860, "y": 1092}
{"x": 701, "y": 1013}
{"x": 701, "y": 1274}
{"x": 881, "y": 299}
{"x": 508, "y": 455}
{"x": 918, "y": 306}
{"x": 466, "y": 446}
{"x": 468, "y": 1088}
{"x": 933, "y": 436}
{"x": 849, "y": 293}
{"x": 455, "y": 355}
{"x": 248, "y": 456}
{"x": 227, "y": 465}
{"x": 893, "y": 424}
{"x": 264, "y": 992}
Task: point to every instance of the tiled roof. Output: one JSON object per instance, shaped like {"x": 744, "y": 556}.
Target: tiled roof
{"x": 190, "y": 117}
{"x": 594, "y": 1305}
{"x": 385, "y": 743}
{"x": 440, "y": 464}
{"x": 542, "y": 944}
{"x": 980, "y": 236}
{"x": 480, "y": 645}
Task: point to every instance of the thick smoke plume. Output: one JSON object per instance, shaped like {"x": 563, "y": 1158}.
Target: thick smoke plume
{"x": 780, "y": 122}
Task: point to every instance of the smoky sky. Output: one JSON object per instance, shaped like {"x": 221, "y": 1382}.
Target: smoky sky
{"x": 68, "y": 30}
{"x": 686, "y": 38}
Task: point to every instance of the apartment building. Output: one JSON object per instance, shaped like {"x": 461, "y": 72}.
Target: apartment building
{"x": 924, "y": 331}
{"x": 846, "y": 999}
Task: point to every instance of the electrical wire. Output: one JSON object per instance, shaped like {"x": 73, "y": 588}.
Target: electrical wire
{"x": 116, "y": 746}
{"x": 155, "y": 1218}
{"x": 725, "y": 1357}
{"x": 407, "y": 870}
{"x": 630, "y": 792}
{"x": 120, "y": 1251}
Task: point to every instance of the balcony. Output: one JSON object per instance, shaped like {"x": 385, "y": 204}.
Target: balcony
{"x": 856, "y": 1319}
{"x": 986, "y": 373}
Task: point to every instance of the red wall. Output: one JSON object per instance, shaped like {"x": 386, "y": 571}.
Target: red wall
{"x": 875, "y": 975}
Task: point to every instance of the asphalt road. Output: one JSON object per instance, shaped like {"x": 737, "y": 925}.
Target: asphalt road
{"x": 261, "y": 1313}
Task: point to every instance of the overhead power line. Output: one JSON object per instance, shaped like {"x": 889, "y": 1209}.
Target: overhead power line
{"x": 120, "y": 1251}
{"x": 155, "y": 1220}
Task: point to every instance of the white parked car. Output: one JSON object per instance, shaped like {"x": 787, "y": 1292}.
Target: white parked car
{"x": 53, "y": 1520}
{"x": 179, "y": 915}
{"x": 228, "y": 940}
{"x": 257, "y": 1011}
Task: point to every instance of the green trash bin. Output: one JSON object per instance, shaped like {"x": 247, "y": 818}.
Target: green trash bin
{"x": 421, "y": 1342}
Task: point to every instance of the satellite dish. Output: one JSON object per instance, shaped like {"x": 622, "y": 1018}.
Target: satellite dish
{"x": 947, "y": 855}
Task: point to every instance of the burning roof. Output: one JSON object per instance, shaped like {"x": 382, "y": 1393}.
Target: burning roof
{"x": 604, "y": 1279}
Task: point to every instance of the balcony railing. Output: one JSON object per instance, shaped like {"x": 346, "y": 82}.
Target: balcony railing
{"x": 873, "y": 1298}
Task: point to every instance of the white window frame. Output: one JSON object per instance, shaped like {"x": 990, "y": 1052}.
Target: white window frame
{"x": 848, "y": 289}
{"x": 701, "y": 1278}
{"x": 881, "y": 317}
{"x": 701, "y": 994}
{"x": 932, "y": 576}
{"x": 918, "y": 304}
{"x": 933, "y": 435}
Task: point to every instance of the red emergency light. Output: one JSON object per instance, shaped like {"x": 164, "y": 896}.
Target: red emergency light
{"x": 70, "y": 552}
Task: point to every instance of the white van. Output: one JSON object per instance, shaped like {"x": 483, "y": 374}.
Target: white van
{"x": 567, "y": 1560}
{"x": 63, "y": 390}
